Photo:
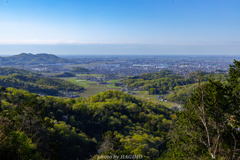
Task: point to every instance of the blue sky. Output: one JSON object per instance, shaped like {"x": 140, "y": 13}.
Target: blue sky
{"x": 120, "y": 26}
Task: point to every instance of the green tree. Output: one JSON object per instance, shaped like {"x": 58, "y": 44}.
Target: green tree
{"x": 207, "y": 125}
{"x": 16, "y": 145}
{"x": 151, "y": 90}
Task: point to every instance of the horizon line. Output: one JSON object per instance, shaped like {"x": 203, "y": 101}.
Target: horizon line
{"x": 122, "y": 54}
{"x": 72, "y": 42}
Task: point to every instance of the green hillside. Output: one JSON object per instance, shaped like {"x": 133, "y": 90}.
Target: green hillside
{"x": 80, "y": 70}
{"x": 114, "y": 123}
{"x": 165, "y": 81}
{"x": 37, "y": 84}
{"x": 7, "y": 70}
{"x": 109, "y": 123}
{"x": 65, "y": 74}
{"x": 31, "y": 59}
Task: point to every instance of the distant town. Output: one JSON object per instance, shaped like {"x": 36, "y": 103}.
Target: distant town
{"x": 136, "y": 65}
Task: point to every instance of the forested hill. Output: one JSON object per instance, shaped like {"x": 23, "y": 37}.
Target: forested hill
{"x": 7, "y": 70}
{"x": 115, "y": 123}
{"x": 165, "y": 81}
{"x": 38, "y": 84}
{"x": 80, "y": 70}
{"x": 109, "y": 123}
{"x": 151, "y": 76}
{"x": 31, "y": 59}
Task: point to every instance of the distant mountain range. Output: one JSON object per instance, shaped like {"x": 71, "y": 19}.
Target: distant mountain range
{"x": 32, "y": 59}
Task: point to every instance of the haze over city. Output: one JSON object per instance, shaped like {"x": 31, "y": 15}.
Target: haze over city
{"x": 119, "y": 79}
{"x": 118, "y": 27}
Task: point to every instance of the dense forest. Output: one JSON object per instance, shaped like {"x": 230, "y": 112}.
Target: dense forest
{"x": 80, "y": 70}
{"x": 66, "y": 74}
{"x": 165, "y": 82}
{"x": 208, "y": 126}
{"x": 111, "y": 122}
{"x": 7, "y": 70}
{"x": 114, "y": 123}
{"x": 31, "y": 59}
{"x": 38, "y": 84}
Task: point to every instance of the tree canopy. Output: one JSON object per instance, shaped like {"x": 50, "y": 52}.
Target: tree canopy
{"x": 66, "y": 74}
{"x": 49, "y": 127}
{"x": 38, "y": 84}
{"x": 80, "y": 70}
{"x": 208, "y": 124}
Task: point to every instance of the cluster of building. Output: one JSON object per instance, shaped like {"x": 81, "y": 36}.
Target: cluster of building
{"x": 136, "y": 65}
{"x": 181, "y": 68}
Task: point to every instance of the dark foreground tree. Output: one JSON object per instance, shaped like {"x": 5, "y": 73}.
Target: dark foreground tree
{"x": 24, "y": 131}
{"x": 208, "y": 124}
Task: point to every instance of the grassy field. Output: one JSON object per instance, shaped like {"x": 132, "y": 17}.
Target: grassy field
{"x": 113, "y": 89}
{"x": 94, "y": 75}
{"x": 79, "y": 82}
{"x": 144, "y": 95}
{"x": 93, "y": 89}
{"x": 113, "y": 81}
{"x": 112, "y": 86}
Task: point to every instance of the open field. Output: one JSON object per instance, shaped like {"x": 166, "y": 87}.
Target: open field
{"x": 79, "y": 82}
{"x": 93, "y": 89}
{"x": 113, "y": 89}
{"x": 112, "y": 86}
{"x": 144, "y": 95}
{"x": 113, "y": 81}
{"x": 94, "y": 75}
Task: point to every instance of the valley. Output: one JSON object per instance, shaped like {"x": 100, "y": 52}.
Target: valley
{"x": 95, "y": 106}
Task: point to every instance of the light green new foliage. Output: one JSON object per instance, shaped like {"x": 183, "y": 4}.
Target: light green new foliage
{"x": 206, "y": 126}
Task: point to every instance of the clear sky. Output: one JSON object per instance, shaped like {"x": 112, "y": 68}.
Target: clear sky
{"x": 120, "y": 26}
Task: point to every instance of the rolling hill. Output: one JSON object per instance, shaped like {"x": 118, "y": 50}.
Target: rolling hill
{"x": 32, "y": 59}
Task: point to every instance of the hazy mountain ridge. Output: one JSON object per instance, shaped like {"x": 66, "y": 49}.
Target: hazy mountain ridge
{"x": 32, "y": 59}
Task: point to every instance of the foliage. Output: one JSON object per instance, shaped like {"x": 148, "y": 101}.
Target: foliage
{"x": 17, "y": 145}
{"x": 165, "y": 81}
{"x": 135, "y": 144}
{"x": 182, "y": 93}
{"x": 116, "y": 123}
{"x": 24, "y": 131}
{"x": 151, "y": 76}
{"x": 65, "y": 74}
{"x": 76, "y": 128}
{"x": 207, "y": 125}
{"x": 36, "y": 84}
{"x": 80, "y": 70}
{"x": 7, "y": 70}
